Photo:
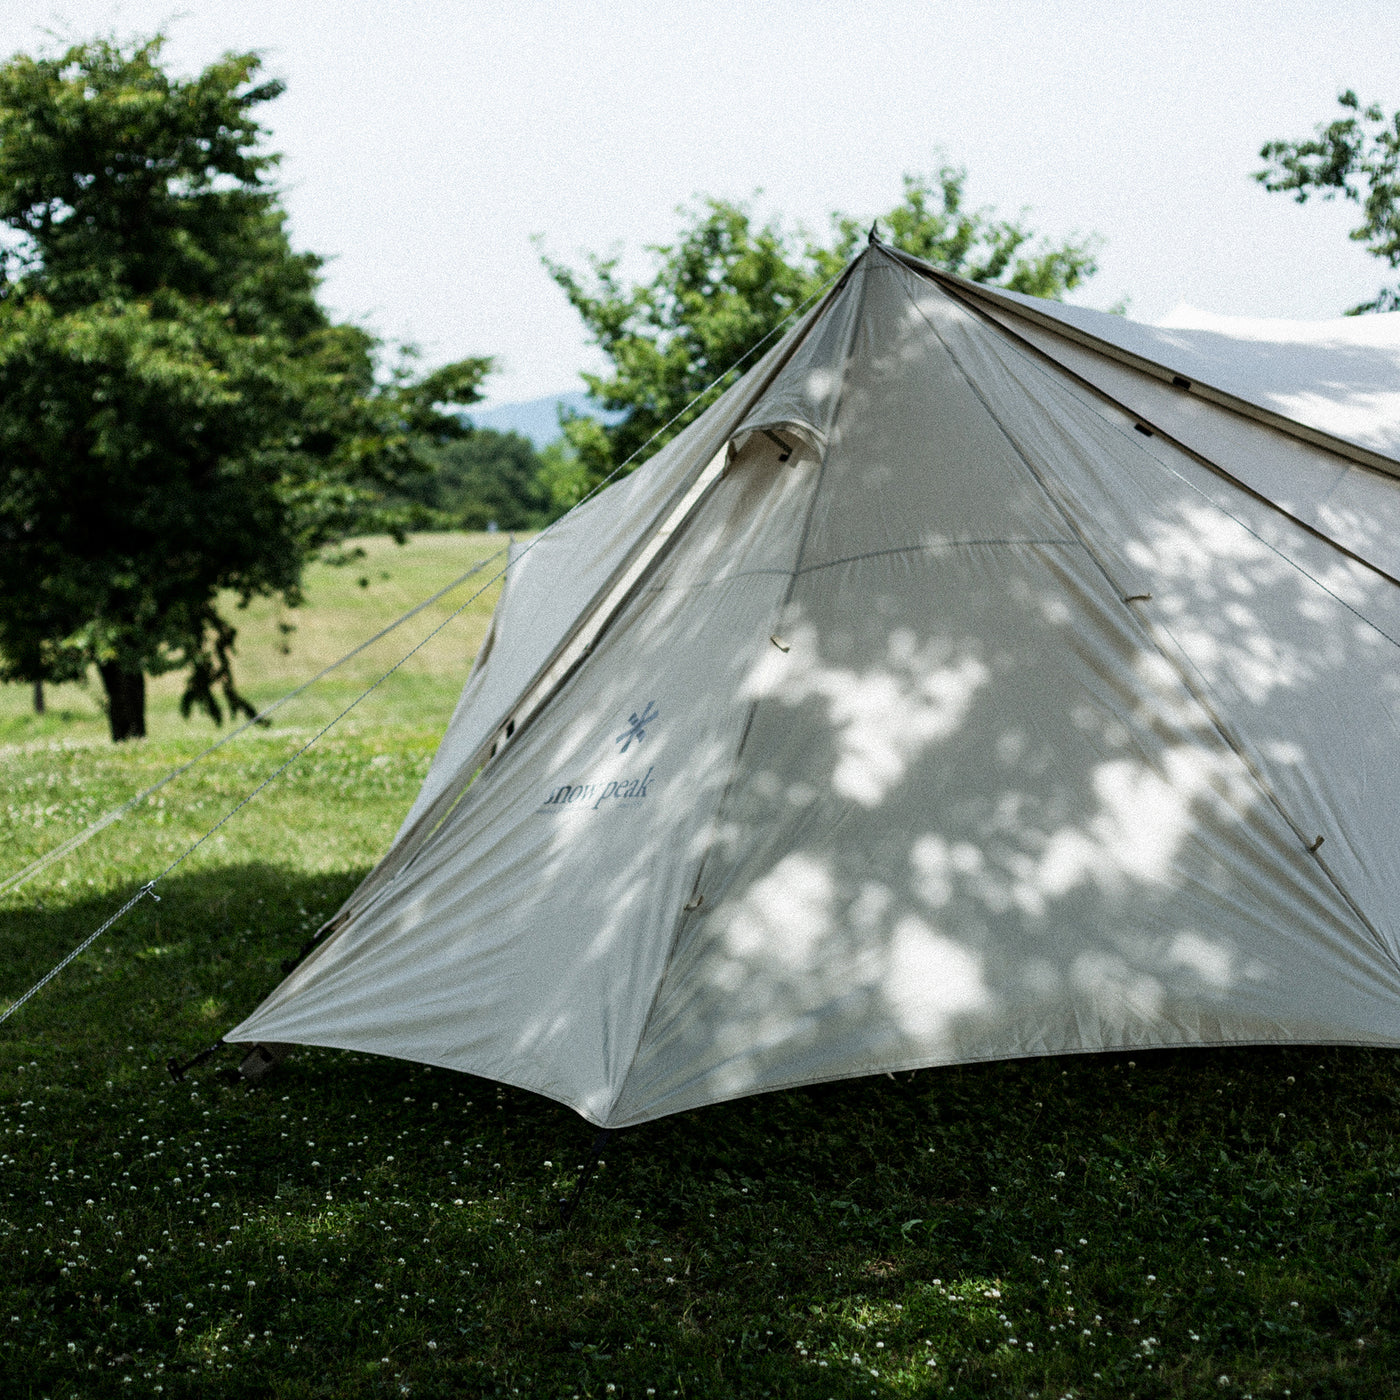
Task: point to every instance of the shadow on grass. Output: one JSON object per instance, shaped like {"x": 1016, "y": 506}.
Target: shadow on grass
{"x": 172, "y": 970}
{"x": 366, "y": 1227}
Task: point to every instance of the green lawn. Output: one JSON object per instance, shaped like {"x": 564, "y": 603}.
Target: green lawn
{"x": 1195, "y": 1223}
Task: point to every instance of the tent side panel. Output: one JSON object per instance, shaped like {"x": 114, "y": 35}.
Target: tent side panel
{"x": 1294, "y": 648}
{"x": 562, "y": 576}
{"x": 526, "y": 940}
{"x": 1354, "y": 505}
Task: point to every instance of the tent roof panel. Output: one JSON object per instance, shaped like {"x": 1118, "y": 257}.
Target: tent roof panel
{"x": 1338, "y": 378}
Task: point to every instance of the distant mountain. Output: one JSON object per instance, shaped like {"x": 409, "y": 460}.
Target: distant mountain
{"x": 538, "y": 419}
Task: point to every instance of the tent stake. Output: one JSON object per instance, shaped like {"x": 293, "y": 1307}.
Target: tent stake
{"x": 568, "y": 1207}
{"x": 178, "y": 1070}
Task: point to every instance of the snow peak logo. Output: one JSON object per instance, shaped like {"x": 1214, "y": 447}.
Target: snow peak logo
{"x": 592, "y": 796}
{"x": 636, "y": 726}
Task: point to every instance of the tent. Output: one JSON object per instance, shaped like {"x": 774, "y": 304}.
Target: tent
{"x": 979, "y": 677}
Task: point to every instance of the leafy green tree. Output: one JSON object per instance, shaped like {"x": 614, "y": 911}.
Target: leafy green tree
{"x": 178, "y": 414}
{"x": 481, "y": 479}
{"x": 493, "y": 477}
{"x": 726, "y": 282}
{"x": 1357, "y": 158}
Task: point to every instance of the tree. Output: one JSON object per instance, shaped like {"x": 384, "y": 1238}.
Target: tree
{"x": 178, "y": 415}
{"x": 726, "y": 283}
{"x": 482, "y": 479}
{"x": 1356, "y": 157}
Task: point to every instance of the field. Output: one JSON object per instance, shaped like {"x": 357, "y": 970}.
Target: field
{"x": 1182, "y": 1224}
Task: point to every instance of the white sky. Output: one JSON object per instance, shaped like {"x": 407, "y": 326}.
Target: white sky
{"x": 425, "y": 141}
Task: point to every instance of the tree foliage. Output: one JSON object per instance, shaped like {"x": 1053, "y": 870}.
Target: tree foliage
{"x": 1357, "y": 158}
{"x": 483, "y": 480}
{"x": 728, "y": 283}
{"x": 178, "y": 414}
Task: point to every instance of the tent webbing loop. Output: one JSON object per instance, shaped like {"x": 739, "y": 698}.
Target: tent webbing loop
{"x": 65, "y": 848}
{"x": 149, "y": 886}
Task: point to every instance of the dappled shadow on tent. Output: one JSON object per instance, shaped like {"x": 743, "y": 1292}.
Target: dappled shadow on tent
{"x": 1338, "y": 386}
{"x": 1024, "y": 782}
{"x": 995, "y": 729}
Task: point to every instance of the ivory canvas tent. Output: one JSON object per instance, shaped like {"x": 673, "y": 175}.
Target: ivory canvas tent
{"x": 978, "y": 678}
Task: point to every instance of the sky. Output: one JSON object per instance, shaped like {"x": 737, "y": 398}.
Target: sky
{"x": 428, "y": 144}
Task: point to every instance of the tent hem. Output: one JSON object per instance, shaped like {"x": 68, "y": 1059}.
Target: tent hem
{"x": 909, "y": 1066}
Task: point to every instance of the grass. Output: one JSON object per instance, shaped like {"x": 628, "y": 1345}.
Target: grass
{"x": 1178, "y": 1224}
{"x": 345, "y": 605}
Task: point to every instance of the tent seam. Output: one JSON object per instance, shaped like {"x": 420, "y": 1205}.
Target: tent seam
{"x": 869, "y": 554}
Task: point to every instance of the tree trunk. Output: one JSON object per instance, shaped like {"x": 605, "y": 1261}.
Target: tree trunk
{"x": 126, "y": 701}
{"x": 38, "y": 697}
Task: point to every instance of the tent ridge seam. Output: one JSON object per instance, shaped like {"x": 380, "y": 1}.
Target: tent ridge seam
{"x": 929, "y": 548}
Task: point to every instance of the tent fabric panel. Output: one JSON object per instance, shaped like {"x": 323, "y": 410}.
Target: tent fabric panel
{"x": 1356, "y": 506}
{"x": 980, "y": 818}
{"x": 562, "y": 574}
{"x": 919, "y": 463}
{"x": 550, "y": 580}
{"x": 1293, "y": 645}
{"x": 526, "y": 939}
{"x": 1337, "y": 377}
